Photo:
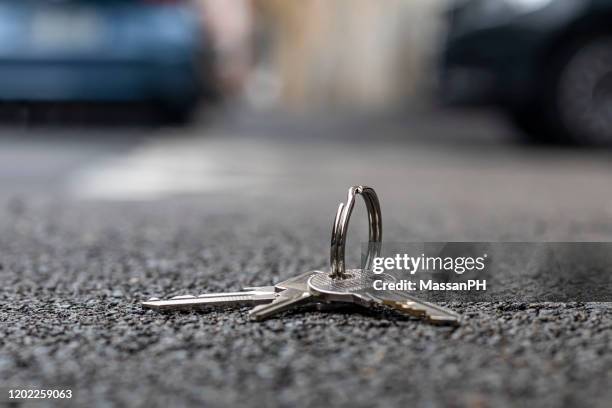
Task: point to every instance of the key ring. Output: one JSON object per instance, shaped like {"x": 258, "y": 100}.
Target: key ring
{"x": 340, "y": 228}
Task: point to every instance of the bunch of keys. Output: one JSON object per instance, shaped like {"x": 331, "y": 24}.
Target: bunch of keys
{"x": 340, "y": 286}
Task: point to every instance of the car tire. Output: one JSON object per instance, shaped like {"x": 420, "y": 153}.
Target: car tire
{"x": 178, "y": 114}
{"x": 574, "y": 104}
{"x": 534, "y": 128}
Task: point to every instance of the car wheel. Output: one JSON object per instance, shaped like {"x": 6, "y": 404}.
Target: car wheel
{"x": 532, "y": 123}
{"x": 584, "y": 93}
{"x": 574, "y": 102}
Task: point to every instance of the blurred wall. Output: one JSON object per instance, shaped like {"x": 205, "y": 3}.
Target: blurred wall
{"x": 230, "y": 25}
{"x": 344, "y": 53}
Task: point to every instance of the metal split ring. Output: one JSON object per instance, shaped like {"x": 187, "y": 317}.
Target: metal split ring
{"x": 340, "y": 228}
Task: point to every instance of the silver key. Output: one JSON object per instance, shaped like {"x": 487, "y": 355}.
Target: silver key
{"x": 316, "y": 287}
{"x": 251, "y": 296}
{"x": 357, "y": 287}
{"x": 294, "y": 292}
{"x": 188, "y": 302}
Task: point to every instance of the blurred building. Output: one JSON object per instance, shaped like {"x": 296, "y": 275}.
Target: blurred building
{"x": 354, "y": 53}
{"x": 230, "y": 24}
{"x": 316, "y": 54}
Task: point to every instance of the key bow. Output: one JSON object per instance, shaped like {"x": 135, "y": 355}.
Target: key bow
{"x": 340, "y": 228}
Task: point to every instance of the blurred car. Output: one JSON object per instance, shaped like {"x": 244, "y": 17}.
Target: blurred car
{"x": 547, "y": 63}
{"x": 103, "y": 51}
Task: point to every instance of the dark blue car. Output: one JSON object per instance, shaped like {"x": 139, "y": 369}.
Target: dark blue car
{"x": 102, "y": 51}
{"x": 548, "y": 63}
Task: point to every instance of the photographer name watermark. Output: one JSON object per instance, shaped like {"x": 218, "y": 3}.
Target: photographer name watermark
{"x": 430, "y": 285}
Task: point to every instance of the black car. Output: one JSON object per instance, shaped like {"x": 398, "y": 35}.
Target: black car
{"x": 547, "y": 63}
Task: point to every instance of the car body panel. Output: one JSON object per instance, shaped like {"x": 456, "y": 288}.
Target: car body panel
{"x": 99, "y": 50}
{"x": 504, "y": 56}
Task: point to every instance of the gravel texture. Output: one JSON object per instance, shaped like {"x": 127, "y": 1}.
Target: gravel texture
{"x": 72, "y": 273}
{"x": 72, "y": 276}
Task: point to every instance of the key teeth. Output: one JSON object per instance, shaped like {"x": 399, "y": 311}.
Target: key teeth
{"x": 444, "y": 321}
{"x": 261, "y": 289}
{"x": 183, "y": 297}
{"x": 280, "y": 304}
{"x": 415, "y": 309}
{"x": 257, "y": 317}
{"x": 150, "y": 304}
{"x": 253, "y": 313}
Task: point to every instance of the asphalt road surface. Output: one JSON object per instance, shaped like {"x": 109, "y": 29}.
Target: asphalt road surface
{"x": 93, "y": 221}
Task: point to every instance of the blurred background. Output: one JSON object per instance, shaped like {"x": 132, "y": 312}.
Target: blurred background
{"x": 145, "y": 99}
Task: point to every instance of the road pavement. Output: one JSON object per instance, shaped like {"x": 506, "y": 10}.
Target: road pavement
{"x": 95, "y": 220}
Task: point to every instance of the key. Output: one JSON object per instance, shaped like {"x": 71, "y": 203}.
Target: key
{"x": 357, "y": 288}
{"x": 298, "y": 293}
{"x": 250, "y": 296}
{"x": 189, "y": 302}
{"x": 294, "y": 292}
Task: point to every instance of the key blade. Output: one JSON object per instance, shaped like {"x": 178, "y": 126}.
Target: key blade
{"x": 429, "y": 312}
{"x": 433, "y": 308}
{"x": 284, "y": 301}
{"x": 299, "y": 282}
{"x": 267, "y": 289}
{"x": 198, "y": 302}
{"x": 254, "y": 291}
{"x": 358, "y": 289}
